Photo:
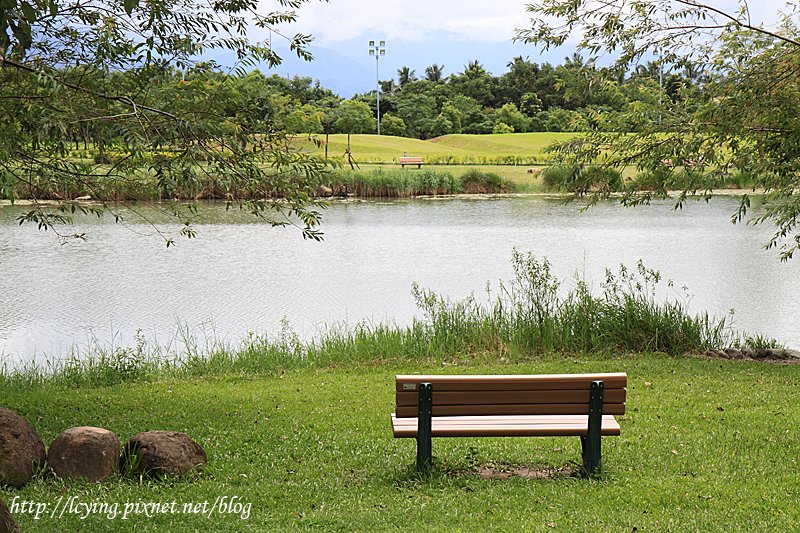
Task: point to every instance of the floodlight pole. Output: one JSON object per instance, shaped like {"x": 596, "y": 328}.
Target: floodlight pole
{"x": 377, "y": 50}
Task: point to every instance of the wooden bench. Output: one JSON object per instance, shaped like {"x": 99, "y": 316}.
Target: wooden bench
{"x": 410, "y": 161}
{"x": 580, "y": 405}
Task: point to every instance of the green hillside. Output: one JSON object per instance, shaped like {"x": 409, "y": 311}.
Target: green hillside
{"x": 505, "y": 144}
{"x": 511, "y": 148}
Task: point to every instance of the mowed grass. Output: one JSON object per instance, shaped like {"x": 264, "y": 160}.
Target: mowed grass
{"x": 706, "y": 445}
{"x": 504, "y": 143}
{"x": 522, "y": 148}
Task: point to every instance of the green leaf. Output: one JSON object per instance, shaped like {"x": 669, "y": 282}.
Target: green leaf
{"x": 130, "y": 5}
{"x": 28, "y": 12}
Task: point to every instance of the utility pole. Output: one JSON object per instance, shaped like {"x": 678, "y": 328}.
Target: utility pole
{"x": 377, "y": 50}
{"x": 660, "y": 82}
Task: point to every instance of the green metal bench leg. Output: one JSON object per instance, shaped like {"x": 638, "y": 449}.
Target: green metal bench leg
{"x": 584, "y": 457}
{"x": 592, "y": 459}
{"x": 424, "y": 445}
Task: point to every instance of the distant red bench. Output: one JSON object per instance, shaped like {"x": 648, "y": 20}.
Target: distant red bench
{"x": 579, "y": 405}
{"x": 410, "y": 161}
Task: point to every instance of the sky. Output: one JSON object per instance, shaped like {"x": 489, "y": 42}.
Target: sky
{"x": 417, "y": 34}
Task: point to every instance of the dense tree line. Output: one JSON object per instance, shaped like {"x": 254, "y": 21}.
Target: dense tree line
{"x": 573, "y": 96}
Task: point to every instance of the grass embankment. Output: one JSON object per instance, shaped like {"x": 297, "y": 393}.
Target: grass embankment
{"x": 397, "y": 183}
{"x": 301, "y": 433}
{"x": 706, "y": 445}
{"x": 502, "y": 161}
{"x": 453, "y": 164}
{"x": 461, "y": 149}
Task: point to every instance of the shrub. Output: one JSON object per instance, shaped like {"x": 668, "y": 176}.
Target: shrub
{"x": 599, "y": 177}
{"x": 581, "y": 180}
{"x": 556, "y": 176}
{"x": 478, "y": 182}
{"x": 502, "y": 127}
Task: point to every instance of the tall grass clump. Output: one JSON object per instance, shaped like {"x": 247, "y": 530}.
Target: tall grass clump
{"x": 582, "y": 179}
{"x": 395, "y": 183}
{"x": 533, "y": 312}
{"x": 555, "y": 176}
{"x": 476, "y": 181}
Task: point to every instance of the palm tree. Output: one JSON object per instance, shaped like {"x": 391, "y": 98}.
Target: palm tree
{"x": 405, "y": 75}
{"x": 518, "y": 63}
{"x": 388, "y": 87}
{"x": 474, "y": 69}
{"x": 649, "y": 70}
{"x": 434, "y": 73}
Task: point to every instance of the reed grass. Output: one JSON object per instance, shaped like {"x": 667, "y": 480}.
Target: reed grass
{"x": 401, "y": 183}
{"x": 533, "y": 313}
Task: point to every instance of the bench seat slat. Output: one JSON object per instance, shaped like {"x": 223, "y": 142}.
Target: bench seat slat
{"x": 504, "y": 426}
{"x": 410, "y": 398}
{"x": 614, "y": 380}
{"x": 512, "y": 409}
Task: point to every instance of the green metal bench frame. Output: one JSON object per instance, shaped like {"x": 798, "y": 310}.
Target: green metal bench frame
{"x": 590, "y": 444}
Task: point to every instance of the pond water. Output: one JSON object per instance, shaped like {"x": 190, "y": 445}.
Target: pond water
{"x": 238, "y": 277}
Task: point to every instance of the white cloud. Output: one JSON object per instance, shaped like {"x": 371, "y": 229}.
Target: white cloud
{"x": 410, "y": 20}
{"x": 418, "y": 21}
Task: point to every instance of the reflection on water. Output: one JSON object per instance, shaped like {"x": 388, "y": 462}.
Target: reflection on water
{"x": 238, "y": 277}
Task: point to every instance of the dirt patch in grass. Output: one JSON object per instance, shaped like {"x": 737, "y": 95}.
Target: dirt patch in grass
{"x": 505, "y": 471}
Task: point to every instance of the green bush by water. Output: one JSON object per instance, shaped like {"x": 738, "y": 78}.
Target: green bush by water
{"x": 401, "y": 183}
{"x": 479, "y": 182}
{"x": 582, "y": 179}
{"x": 532, "y": 313}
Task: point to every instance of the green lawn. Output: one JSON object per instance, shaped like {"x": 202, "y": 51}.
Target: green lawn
{"x": 505, "y": 143}
{"x": 706, "y": 445}
{"x": 527, "y": 148}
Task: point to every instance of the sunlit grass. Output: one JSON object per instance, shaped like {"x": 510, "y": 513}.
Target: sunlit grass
{"x": 503, "y": 149}
{"x": 706, "y": 445}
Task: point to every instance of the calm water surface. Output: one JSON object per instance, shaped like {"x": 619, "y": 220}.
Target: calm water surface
{"x": 239, "y": 277}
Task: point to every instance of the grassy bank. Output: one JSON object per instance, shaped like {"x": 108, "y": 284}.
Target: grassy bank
{"x": 524, "y": 177}
{"x": 533, "y": 312}
{"x": 514, "y": 162}
{"x": 398, "y": 183}
{"x": 706, "y": 445}
{"x": 461, "y": 149}
{"x": 299, "y": 435}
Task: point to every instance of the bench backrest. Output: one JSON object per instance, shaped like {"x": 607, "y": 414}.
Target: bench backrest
{"x": 545, "y": 394}
{"x": 411, "y": 160}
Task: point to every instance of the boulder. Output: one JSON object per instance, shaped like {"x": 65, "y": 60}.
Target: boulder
{"x": 776, "y": 354}
{"x": 21, "y": 450}
{"x": 84, "y": 452}
{"x": 162, "y": 453}
{"x": 748, "y": 352}
{"x": 733, "y": 353}
{"x": 7, "y": 524}
{"x": 792, "y": 354}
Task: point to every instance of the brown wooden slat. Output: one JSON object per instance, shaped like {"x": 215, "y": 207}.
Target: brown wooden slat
{"x": 509, "y": 397}
{"x": 505, "y": 419}
{"x": 615, "y": 380}
{"x": 490, "y": 426}
{"x": 513, "y": 409}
